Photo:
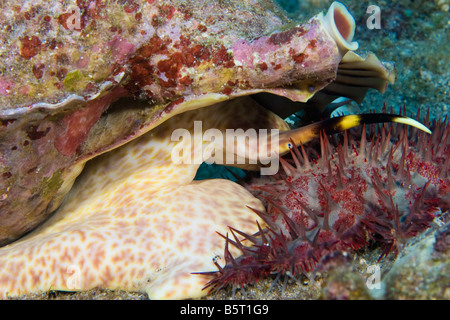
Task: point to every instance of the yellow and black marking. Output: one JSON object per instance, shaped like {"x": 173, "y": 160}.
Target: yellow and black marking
{"x": 339, "y": 124}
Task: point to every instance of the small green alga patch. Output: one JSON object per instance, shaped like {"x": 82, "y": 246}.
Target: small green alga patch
{"x": 74, "y": 81}
{"x": 50, "y": 185}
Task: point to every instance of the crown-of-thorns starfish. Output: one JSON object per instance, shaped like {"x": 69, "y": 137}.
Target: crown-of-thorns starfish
{"x": 136, "y": 221}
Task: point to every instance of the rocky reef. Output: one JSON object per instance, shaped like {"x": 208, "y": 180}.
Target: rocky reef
{"x": 413, "y": 34}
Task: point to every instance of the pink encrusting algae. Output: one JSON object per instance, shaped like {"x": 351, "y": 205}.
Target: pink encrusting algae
{"x": 384, "y": 185}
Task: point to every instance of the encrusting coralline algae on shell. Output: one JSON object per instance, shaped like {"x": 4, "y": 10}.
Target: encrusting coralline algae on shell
{"x": 72, "y": 92}
{"x": 54, "y": 49}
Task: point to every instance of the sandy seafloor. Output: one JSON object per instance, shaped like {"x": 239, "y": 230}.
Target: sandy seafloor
{"x": 415, "y": 35}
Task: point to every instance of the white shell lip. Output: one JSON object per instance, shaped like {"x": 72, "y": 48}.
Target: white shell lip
{"x": 340, "y": 24}
{"x": 23, "y": 110}
{"x": 72, "y": 98}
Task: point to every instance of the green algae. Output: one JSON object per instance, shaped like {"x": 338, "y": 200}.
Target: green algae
{"x": 74, "y": 81}
{"x": 50, "y": 185}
